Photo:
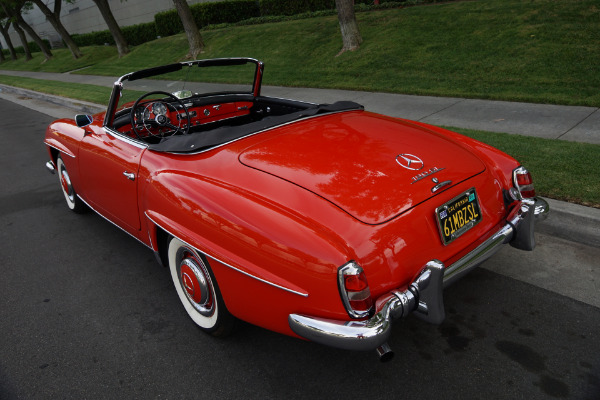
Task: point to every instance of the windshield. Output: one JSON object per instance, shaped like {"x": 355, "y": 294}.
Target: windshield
{"x": 192, "y": 106}
{"x": 192, "y": 79}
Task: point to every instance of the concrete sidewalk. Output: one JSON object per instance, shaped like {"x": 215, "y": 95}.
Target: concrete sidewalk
{"x": 582, "y": 124}
{"x": 573, "y": 123}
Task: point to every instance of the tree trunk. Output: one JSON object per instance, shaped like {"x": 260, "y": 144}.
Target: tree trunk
{"x": 36, "y": 38}
{"x": 23, "y": 40}
{"x": 113, "y": 27}
{"x": 349, "y": 27}
{"x": 54, "y": 20}
{"x": 57, "y": 7}
{"x": 2, "y": 59}
{"x": 191, "y": 29}
{"x": 18, "y": 29}
{"x": 15, "y": 13}
{"x": 11, "y": 49}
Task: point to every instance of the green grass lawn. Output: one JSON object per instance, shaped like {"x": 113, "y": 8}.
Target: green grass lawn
{"x": 62, "y": 60}
{"x": 561, "y": 170}
{"x": 544, "y": 51}
{"x": 92, "y": 93}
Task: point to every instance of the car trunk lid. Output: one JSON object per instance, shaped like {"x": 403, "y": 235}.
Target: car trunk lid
{"x": 373, "y": 167}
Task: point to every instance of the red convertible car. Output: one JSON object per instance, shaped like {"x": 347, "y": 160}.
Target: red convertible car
{"x": 322, "y": 221}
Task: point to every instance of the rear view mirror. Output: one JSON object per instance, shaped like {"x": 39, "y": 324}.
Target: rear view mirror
{"x": 183, "y": 94}
{"x": 83, "y": 120}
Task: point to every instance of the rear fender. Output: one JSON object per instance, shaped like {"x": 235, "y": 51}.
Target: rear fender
{"x": 264, "y": 256}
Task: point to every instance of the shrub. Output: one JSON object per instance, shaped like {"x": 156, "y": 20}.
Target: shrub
{"x": 134, "y": 35}
{"x": 225, "y": 11}
{"x": 292, "y": 7}
{"x": 33, "y": 47}
{"x": 168, "y": 22}
{"x": 140, "y": 33}
{"x": 97, "y": 38}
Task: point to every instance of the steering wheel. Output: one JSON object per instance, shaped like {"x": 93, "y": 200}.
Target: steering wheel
{"x": 152, "y": 115}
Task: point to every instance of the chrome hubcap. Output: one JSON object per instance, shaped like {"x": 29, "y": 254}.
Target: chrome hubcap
{"x": 196, "y": 284}
{"x": 65, "y": 182}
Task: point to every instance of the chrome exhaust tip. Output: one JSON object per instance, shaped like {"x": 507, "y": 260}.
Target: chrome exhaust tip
{"x": 385, "y": 353}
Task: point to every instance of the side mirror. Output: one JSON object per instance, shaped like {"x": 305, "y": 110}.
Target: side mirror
{"x": 83, "y": 120}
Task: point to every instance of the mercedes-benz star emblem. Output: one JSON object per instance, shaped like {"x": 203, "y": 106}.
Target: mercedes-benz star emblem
{"x": 410, "y": 161}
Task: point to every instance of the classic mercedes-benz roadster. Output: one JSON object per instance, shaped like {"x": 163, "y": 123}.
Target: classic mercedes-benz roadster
{"x": 322, "y": 221}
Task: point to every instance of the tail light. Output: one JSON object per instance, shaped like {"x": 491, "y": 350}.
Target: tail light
{"x": 354, "y": 290}
{"x": 523, "y": 182}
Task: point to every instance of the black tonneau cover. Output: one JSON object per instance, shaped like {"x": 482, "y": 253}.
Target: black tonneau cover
{"x": 207, "y": 139}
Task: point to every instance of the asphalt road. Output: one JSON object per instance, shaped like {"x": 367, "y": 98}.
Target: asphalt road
{"x": 86, "y": 312}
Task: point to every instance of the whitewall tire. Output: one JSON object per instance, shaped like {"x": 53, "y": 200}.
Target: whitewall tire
{"x": 73, "y": 202}
{"x": 197, "y": 289}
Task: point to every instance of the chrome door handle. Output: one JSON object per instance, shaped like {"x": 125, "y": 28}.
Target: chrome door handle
{"x": 129, "y": 175}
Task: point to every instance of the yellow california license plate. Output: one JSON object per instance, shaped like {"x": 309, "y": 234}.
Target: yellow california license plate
{"x": 458, "y": 215}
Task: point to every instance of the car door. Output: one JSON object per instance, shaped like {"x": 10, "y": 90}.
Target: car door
{"x": 109, "y": 164}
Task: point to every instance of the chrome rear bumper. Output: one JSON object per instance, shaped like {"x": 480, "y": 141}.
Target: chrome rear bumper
{"x": 424, "y": 296}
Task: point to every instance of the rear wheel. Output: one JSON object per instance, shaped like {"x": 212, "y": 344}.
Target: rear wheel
{"x": 73, "y": 202}
{"x": 197, "y": 289}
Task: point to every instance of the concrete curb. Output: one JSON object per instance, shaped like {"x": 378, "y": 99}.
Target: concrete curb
{"x": 83, "y": 107}
{"x": 566, "y": 220}
{"x": 572, "y": 222}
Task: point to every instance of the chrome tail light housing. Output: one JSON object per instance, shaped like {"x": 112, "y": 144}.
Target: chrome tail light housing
{"x": 354, "y": 290}
{"x": 523, "y": 183}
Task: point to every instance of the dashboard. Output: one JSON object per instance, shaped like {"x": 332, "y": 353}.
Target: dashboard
{"x": 199, "y": 113}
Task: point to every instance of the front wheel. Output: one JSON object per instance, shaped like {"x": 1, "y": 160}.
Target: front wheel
{"x": 73, "y": 202}
{"x": 197, "y": 289}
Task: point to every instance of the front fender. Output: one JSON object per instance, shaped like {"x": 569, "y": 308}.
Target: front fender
{"x": 63, "y": 137}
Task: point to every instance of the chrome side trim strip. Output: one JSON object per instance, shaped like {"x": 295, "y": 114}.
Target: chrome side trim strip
{"x": 229, "y": 265}
{"x": 259, "y": 279}
{"x": 59, "y": 150}
{"x": 96, "y": 211}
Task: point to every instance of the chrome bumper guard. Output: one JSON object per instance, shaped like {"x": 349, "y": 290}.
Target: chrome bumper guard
{"x": 51, "y": 167}
{"x": 424, "y": 296}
